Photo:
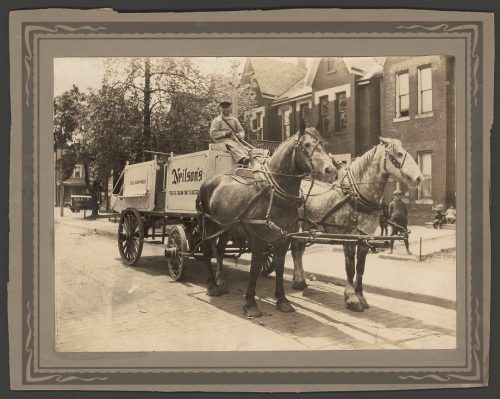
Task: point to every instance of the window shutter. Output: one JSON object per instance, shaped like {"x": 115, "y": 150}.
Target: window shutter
{"x": 335, "y": 114}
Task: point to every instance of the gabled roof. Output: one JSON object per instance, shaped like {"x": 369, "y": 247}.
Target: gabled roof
{"x": 275, "y": 77}
{"x": 359, "y": 65}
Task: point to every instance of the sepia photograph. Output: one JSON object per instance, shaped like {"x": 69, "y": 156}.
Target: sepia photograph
{"x": 321, "y": 189}
{"x": 252, "y": 201}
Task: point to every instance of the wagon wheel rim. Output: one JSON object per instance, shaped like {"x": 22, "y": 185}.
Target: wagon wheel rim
{"x": 267, "y": 261}
{"x": 177, "y": 239}
{"x": 130, "y": 237}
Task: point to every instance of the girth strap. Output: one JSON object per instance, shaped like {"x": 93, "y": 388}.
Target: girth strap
{"x": 336, "y": 207}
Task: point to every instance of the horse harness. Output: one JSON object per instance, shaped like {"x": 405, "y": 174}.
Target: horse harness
{"x": 353, "y": 194}
{"x": 273, "y": 189}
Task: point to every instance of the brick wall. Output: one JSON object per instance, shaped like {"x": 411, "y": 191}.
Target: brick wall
{"x": 338, "y": 142}
{"x": 419, "y": 133}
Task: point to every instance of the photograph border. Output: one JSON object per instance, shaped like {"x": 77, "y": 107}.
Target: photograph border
{"x": 29, "y": 28}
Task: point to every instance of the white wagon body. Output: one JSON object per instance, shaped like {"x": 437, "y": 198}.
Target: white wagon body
{"x": 185, "y": 174}
{"x": 171, "y": 187}
{"x": 158, "y": 200}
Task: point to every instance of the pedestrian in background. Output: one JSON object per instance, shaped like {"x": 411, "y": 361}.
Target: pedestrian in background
{"x": 227, "y": 129}
{"x": 451, "y": 215}
{"x": 398, "y": 213}
{"x": 383, "y": 219}
{"x": 439, "y": 219}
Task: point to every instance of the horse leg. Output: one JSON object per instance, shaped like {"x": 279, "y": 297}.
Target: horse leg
{"x": 219, "y": 277}
{"x": 350, "y": 298}
{"x": 299, "y": 278}
{"x": 360, "y": 270}
{"x": 282, "y": 303}
{"x": 250, "y": 309}
{"x": 208, "y": 247}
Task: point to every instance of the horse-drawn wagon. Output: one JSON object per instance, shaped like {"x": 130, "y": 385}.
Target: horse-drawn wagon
{"x": 204, "y": 206}
{"x": 157, "y": 201}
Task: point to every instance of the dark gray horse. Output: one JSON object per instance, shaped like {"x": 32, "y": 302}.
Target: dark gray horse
{"x": 366, "y": 178}
{"x": 261, "y": 210}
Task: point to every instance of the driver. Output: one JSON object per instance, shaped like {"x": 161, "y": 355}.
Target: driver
{"x": 227, "y": 129}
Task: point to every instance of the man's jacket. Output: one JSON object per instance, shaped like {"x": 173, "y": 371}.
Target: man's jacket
{"x": 397, "y": 209}
{"x": 219, "y": 128}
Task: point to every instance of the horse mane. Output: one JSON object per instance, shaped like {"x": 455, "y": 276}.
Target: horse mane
{"x": 365, "y": 160}
{"x": 313, "y": 132}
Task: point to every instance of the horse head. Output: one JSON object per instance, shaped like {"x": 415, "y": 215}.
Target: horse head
{"x": 311, "y": 155}
{"x": 398, "y": 163}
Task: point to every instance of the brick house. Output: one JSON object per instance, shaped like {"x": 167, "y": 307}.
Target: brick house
{"x": 354, "y": 100}
{"x": 273, "y": 78}
{"x": 338, "y": 96}
{"x": 418, "y": 107}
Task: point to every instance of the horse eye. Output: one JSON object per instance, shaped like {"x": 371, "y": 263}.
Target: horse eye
{"x": 307, "y": 145}
{"x": 399, "y": 154}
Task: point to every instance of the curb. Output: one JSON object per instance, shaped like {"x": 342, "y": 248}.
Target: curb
{"x": 410, "y": 296}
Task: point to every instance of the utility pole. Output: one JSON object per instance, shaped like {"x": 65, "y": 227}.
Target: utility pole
{"x": 146, "y": 140}
{"x": 234, "y": 68}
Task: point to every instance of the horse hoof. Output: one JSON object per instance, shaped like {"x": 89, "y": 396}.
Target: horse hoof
{"x": 251, "y": 311}
{"x": 223, "y": 289}
{"x": 354, "y": 304}
{"x": 363, "y": 302}
{"x": 299, "y": 285}
{"x": 285, "y": 307}
{"x": 214, "y": 290}
{"x": 355, "y": 307}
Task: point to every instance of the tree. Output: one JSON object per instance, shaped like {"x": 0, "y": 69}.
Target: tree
{"x": 67, "y": 116}
{"x": 110, "y": 135}
{"x": 154, "y": 85}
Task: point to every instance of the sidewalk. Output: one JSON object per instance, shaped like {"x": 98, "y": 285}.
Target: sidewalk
{"x": 398, "y": 275}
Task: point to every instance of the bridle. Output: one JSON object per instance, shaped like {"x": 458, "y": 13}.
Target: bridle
{"x": 297, "y": 201}
{"x": 299, "y": 145}
{"x": 392, "y": 158}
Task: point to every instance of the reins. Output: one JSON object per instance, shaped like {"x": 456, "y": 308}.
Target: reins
{"x": 272, "y": 187}
{"x": 353, "y": 194}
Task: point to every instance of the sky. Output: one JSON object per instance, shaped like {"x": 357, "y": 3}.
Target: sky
{"x": 88, "y": 72}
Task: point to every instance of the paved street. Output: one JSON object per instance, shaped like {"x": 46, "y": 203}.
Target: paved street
{"x": 104, "y": 305}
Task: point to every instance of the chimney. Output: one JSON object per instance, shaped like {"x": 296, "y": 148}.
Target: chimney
{"x": 301, "y": 62}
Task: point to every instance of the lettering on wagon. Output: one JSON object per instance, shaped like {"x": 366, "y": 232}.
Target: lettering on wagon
{"x": 185, "y": 175}
{"x": 132, "y": 182}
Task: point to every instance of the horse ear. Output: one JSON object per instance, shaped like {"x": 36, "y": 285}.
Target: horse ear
{"x": 383, "y": 140}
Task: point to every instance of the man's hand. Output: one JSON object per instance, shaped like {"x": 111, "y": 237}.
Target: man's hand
{"x": 240, "y": 135}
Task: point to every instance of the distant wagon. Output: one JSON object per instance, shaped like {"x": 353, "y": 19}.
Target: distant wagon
{"x": 80, "y": 202}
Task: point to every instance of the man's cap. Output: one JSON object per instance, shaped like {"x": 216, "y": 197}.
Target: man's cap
{"x": 225, "y": 103}
{"x": 396, "y": 192}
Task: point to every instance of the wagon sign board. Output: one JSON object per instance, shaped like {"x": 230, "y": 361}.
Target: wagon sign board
{"x": 186, "y": 173}
{"x": 184, "y": 177}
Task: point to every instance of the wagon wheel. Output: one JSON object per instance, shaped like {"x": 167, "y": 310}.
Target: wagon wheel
{"x": 175, "y": 262}
{"x": 130, "y": 236}
{"x": 267, "y": 260}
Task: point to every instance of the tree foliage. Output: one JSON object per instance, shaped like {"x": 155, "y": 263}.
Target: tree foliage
{"x": 159, "y": 104}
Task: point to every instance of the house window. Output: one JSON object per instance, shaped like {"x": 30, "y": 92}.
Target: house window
{"x": 258, "y": 125}
{"x": 402, "y": 95}
{"x": 323, "y": 115}
{"x": 425, "y": 163}
{"x": 341, "y": 111}
{"x": 78, "y": 171}
{"x": 285, "y": 123}
{"x": 424, "y": 90}
{"x": 304, "y": 114}
{"x": 330, "y": 62}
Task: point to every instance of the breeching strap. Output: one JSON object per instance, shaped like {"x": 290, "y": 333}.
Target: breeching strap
{"x": 239, "y": 218}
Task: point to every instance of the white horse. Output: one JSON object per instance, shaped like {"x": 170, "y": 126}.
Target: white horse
{"x": 352, "y": 206}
